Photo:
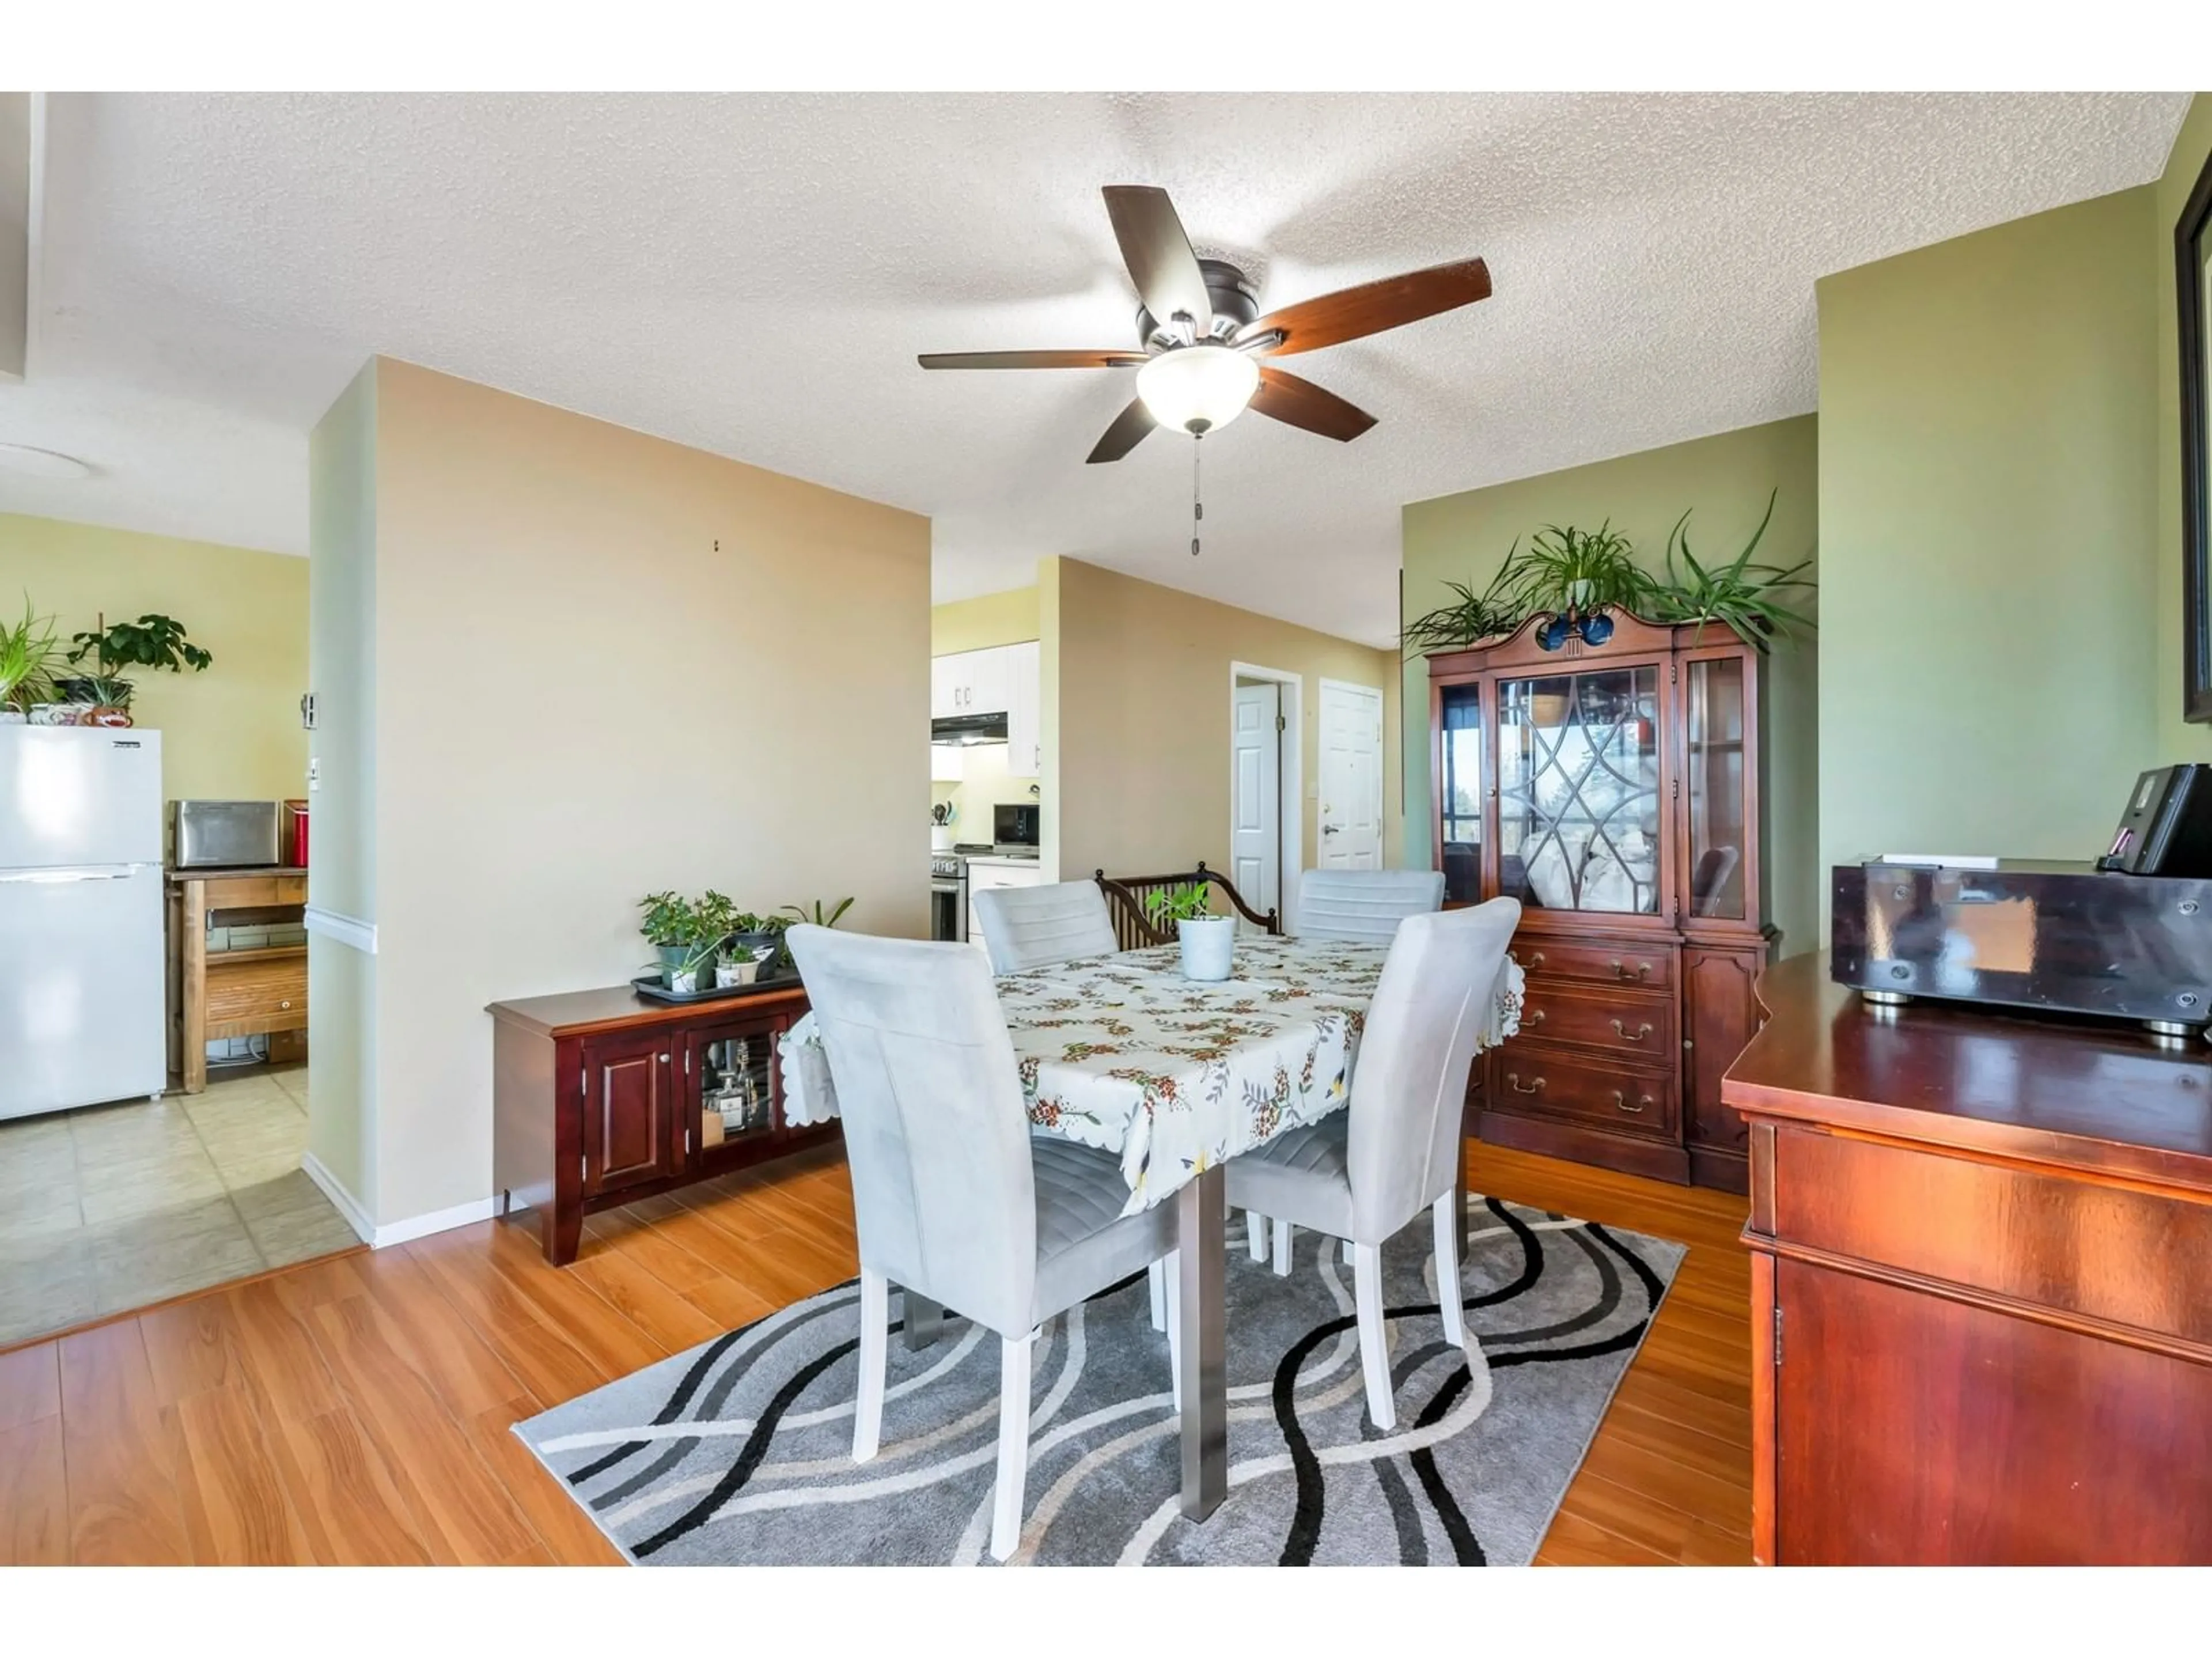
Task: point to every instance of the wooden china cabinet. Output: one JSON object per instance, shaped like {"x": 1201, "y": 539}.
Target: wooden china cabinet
{"x": 1614, "y": 789}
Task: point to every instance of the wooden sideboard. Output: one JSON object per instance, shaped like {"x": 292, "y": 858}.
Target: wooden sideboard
{"x": 236, "y": 992}
{"x": 599, "y": 1097}
{"x": 1982, "y": 1285}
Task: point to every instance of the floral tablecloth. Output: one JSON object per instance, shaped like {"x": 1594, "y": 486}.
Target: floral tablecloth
{"x": 1122, "y": 1052}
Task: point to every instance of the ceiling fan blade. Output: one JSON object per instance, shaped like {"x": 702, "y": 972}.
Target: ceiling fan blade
{"x": 1350, "y": 313}
{"x": 1158, "y": 252}
{"x": 1029, "y": 359}
{"x": 1127, "y": 431}
{"x": 1294, "y": 402}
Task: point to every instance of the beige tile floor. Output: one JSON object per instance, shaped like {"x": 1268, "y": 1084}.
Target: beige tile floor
{"x": 114, "y": 1207}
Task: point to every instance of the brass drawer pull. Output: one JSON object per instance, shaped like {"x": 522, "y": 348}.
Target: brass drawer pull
{"x": 1636, "y": 1036}
{"x": 1513, "y": 1081}
{"x": 1536, "y": 1017}
{"x": 1643, "y": 971}
{"x": 1535, "y": 958}
{"x": 1620, "y": 1100}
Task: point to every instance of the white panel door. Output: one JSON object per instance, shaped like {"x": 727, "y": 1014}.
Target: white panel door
{"x": 1255, "y": 835}
{"x": 1351, "y": 777}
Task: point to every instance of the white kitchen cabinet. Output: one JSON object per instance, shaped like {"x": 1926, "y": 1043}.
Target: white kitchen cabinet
{"x": 1025, "y": 710}
{"x": 970, "y": 682}
{"x": 985, "y": 874}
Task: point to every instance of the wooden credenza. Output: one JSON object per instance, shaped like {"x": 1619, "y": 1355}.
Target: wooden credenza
{"x": 1982, "y": 1285}
{"x": 599, "y": 1097}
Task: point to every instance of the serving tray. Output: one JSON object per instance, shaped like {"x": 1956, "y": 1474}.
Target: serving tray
{"x": 782, "y": 977}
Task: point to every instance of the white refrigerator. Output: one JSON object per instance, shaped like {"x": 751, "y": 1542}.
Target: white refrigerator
{"x": 80, "y": 961}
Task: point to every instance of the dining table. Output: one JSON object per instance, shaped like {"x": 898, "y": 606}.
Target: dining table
{"x": 1176, "y": 1076}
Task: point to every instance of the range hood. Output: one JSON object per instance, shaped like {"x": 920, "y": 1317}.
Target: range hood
{"x": 965, "y": 730}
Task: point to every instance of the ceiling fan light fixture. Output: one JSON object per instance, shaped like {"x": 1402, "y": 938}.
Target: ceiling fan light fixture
{"x": 1198, "y": 389}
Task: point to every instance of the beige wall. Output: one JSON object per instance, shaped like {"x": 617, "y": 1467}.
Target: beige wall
{"x": 341, "y": 866}
{"x": 606, "y": 664}
{"x": 232, "y": 732}
{"x": 977, "y": 624}
{"x": 1137, "y": 699}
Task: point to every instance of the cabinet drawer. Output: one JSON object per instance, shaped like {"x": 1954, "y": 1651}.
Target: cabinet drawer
{"x": 1639, "y": 1025}
{"x": 256, "y": 996}
{"x": 1652, "y": 967}
{"x": 981, "y": 877}
{"x": 1541, "y": 1080}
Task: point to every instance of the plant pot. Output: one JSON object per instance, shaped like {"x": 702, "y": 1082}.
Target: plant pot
{"x": 763, "y": 945}
{"x": 940, "y": 838}
{"x": 1209, "y": 946}
{"x": 60, "y": 714}
{"x": 727, "y": 974}
{"x": 108, "y": 716}
{"x": 681, "y": 965}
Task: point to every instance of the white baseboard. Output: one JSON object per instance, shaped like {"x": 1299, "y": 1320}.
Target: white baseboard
{"x": 346, "y": 1204}
{"x": 439, "y": 1221}
{"x": 396, "y": 1232}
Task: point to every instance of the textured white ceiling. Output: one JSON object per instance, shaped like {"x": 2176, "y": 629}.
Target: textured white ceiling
{"x": 754, "y": 276}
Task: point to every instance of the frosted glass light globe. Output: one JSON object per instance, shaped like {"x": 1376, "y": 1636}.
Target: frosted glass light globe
{"x": 1198, "y": 389}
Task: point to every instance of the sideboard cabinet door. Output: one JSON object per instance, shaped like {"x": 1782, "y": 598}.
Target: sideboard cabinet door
{"x": 631, "y": 1111}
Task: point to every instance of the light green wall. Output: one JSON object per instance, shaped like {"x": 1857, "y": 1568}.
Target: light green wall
{"x": 977, "y": 624}
{"x": 342, "y": 877}
{"x": 1725, "y": 479}
{"x": 2178, "y": 740}
{"x": 1988, "y": 529}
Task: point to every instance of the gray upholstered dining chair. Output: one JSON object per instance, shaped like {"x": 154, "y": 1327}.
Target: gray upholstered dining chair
{"x": 1361, "y": 1174}
{"x": 952, "y": 1198}
{"x": 1035, "y": 926}
{"x": 1364, "y": 904}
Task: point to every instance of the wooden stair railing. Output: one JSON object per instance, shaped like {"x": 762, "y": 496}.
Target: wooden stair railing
{"x": 1128, "y": 901}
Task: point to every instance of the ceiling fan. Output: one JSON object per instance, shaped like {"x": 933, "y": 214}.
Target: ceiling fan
{"x": 1200, "y": 337}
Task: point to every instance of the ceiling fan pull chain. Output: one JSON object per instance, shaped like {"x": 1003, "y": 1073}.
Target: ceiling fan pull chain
{"x": 1197, "y": 505}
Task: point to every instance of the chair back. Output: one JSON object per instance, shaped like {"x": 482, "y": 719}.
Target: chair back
{"x": 1129, "y": 900}
{"x": 1032, "y": 927}
{"x": 1364, "y": 904}
{"x": 1409, "y": 1089}
{"x": 943, "y": 1196}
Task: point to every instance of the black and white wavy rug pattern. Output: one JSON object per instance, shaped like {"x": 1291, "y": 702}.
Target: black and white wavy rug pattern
{"x": 739, "y": 1451}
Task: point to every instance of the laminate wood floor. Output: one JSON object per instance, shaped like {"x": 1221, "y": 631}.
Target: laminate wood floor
{"x": 356, "y": 1409}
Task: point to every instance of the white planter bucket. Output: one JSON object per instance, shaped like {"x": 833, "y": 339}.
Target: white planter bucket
{"x": 727, "y": 974}
{"x": 940, "y": 837}
{"x": 1209, "y": 944}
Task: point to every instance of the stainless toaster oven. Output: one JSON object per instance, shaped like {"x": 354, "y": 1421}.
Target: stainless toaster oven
{"x": 208, "y": 835}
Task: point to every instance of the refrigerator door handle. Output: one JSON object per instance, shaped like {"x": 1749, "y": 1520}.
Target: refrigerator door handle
{"x": 45, "y": 876}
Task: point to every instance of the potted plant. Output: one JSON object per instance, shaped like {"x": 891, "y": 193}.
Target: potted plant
{"x": 153, "y": 641}
{"x": 1740, "y": 595}
{"x": 743, "y": 939}
{"x": 27, "y": 653}
{"x": 738, "y": 964}
{"x": 686, "y": 949}
{"x": 1208, "y": 941}
{"x": 817, "y": 915}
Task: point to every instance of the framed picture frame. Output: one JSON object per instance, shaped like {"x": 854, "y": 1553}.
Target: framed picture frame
{"x": 2193, "y": 259}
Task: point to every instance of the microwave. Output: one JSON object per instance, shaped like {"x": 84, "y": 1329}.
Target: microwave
{"x": 1014, "y": 825}
{"x": 217, "y": 834}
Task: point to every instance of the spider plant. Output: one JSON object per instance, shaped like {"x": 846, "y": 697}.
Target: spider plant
{"x": 1570, "y": 572}
{"x": 1739, "y": 595}
{"x": 1471, "y": 615}
{"x": 1189, "y": 902}
{"x": 28, "y": 652}
{"x": 820, "y": 916}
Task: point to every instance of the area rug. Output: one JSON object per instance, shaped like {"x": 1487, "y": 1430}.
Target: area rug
{"x": 739, "y": 1451}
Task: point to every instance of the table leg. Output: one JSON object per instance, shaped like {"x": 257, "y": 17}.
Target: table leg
{"x": 925, "y": 1320}
{"x": 1200, "y": 1211}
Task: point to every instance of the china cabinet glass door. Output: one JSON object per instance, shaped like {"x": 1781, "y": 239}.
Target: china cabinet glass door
{"x": 1459, "y": 791}
{"x": 1579, "y": 805}
{"x": 736, "y": 1085}
{"x": 1713, "y": 782}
